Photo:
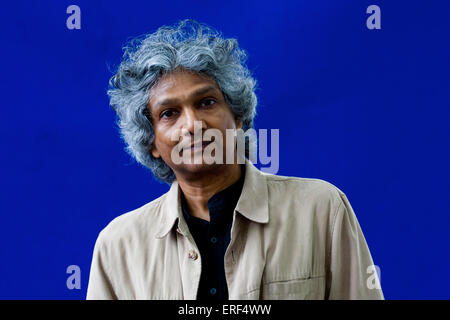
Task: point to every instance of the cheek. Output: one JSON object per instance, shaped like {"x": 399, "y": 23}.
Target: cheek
{"x": 225, "y": 119}
{"x": 163, "y": 140}
{"x": 158, "y": 139}
{"x": 231, "y": 122}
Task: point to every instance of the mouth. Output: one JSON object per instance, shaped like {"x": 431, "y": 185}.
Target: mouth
{"x": 197, "y": 145}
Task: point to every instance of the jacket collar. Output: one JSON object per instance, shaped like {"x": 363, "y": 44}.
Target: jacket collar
{"x": 252, "y": 203}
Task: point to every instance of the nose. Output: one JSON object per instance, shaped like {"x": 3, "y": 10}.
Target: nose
{"x": 192, "y": 121}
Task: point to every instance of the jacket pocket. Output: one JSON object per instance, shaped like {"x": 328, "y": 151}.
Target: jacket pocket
{"x": 311, "y": 288}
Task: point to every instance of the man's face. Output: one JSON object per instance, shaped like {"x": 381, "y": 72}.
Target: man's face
{"x": 176, "y": 102}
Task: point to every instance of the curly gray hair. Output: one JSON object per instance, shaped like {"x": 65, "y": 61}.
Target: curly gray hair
{"x": 189, "y": 45}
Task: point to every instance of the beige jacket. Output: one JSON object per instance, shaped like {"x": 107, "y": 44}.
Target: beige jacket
{"x": 291, "y": 238}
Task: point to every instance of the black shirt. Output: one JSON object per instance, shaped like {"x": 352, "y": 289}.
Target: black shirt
{"x": 212, "y": 239}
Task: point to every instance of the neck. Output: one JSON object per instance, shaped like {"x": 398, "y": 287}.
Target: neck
{"x": 199, "y": 190}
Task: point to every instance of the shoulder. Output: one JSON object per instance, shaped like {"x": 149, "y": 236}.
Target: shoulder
{"x": 307, "y": 189}
{"x": 305, "y": 199}
{"x": 304, "y": 202}
{"x": 132, "y": 226}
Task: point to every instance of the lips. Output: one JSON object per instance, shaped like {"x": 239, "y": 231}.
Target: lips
{"x": 195, "y": 144}
{"x": 204, "y": 144}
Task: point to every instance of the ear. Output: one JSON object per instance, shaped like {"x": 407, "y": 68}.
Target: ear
{"x": 154, "y": 151}
{"x": 238, "y": 123}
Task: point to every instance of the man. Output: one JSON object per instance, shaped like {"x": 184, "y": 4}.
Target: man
{"x": 224, "y": 230}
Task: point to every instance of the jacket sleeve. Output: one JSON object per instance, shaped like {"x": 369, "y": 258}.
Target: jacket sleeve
{"x": 350, "y": 271}
{"x": 100, "y": 286}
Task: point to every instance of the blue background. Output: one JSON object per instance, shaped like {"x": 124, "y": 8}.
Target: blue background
{"x": 366, "y": 110}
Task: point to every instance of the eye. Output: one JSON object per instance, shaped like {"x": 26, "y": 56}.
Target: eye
{"x": 207, "y": 102}
{"x": 167, "y": 114}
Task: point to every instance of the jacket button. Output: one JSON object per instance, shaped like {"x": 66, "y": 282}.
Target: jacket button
{"x": 192, "y": 255}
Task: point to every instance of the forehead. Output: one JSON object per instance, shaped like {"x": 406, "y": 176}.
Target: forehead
{"x": 179, "y": 85}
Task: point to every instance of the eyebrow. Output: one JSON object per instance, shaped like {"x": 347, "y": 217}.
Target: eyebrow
{"x": 196, "y": 93}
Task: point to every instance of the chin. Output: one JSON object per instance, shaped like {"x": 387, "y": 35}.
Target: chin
{"x": 198, "y": 168}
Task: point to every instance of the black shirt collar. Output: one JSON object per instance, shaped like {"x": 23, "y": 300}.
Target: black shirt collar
{"x": 221, "y": 205}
